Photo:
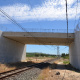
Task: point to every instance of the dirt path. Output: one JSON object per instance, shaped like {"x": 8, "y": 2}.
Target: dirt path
{"x": 59, "y": 73}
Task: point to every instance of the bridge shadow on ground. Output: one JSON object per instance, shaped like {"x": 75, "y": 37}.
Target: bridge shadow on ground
{"x": 43, "y": 66}
{"x": 20, "y": 64}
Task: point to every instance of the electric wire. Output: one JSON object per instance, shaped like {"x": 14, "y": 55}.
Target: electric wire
{"x": 21, "y": 27}
{"x": 34, "y": 14}
{"x": 13, "y": 21}
{"x": 66, "y": 18}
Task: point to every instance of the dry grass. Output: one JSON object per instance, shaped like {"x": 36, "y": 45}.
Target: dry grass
{"x": 4, "y": 68}
{"x": 47, "y": 72}
{"x": 44, "y": 74}
{"x": 29, "y": 61}
{"x": 38, "y": 59}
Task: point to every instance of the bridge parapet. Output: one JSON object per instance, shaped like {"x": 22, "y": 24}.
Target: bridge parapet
{"x": 50, "y": 30}
{"x": 36, "y": 30}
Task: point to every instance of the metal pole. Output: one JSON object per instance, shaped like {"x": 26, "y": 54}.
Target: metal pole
{"x": 67, "y": 18}
{"x": 58, "y": 51}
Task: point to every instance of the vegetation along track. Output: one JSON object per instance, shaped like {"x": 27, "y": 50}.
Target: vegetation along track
{"x": 16, "y": 71}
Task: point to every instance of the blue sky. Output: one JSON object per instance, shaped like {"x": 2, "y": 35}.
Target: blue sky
{"x": 40, "y": 14}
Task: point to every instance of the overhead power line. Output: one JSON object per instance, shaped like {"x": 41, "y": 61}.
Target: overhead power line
{"x": 21, "y": 27}
{"x": 12, "y": 19}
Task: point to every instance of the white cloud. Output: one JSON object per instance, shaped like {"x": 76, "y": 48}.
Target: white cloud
{"x": 49, "y": 10}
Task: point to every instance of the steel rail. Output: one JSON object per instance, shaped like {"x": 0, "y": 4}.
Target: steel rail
{"x": 16, "y": 71}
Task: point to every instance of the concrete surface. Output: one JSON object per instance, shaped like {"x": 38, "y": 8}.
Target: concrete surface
{"x": 75, "y": 51}
{"x": 11, "y": 51}
{"x": 40, "y": 38}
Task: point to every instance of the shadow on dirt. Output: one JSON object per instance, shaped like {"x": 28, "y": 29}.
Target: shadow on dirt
{"x": 64, "y": 67}
{"x": 42, "y": 66}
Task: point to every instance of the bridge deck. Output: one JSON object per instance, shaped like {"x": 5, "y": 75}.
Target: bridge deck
{"x": 40, "y": 38}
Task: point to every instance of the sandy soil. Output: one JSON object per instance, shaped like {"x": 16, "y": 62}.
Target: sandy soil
{"x": 60, "y": 73}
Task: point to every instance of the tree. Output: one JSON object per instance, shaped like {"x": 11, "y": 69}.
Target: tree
{"x": 36, "y": 55}
{"x": 63, "y": 55}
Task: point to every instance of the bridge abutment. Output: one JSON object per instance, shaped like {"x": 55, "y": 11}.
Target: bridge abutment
{"x": 75, "y": 51}
{"x": 11, "y": 51}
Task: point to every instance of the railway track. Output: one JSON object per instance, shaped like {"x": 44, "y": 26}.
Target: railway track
{"x": 16, "y": 71}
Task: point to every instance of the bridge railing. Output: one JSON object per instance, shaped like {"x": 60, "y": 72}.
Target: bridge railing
{"x": 51, "y": 30}
{"x": 37, "y": 30}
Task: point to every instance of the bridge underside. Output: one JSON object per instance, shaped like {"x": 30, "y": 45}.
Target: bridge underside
{"x": 42, "y": 41}
{"x": 40, "y": 38}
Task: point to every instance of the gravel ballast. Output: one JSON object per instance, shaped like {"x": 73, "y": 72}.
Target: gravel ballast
{"x": 31, "y": 74}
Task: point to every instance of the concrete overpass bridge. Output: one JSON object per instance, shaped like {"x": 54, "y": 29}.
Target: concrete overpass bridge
{"x": 13, "y": 44}
{"x": 42, "y": 38}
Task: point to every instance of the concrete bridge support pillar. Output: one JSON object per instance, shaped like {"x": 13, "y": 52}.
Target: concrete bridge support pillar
{"x": 11, "y": 51}
{"x": 75, "y": 51}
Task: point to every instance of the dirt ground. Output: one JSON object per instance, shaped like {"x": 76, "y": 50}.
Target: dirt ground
{"x": 38, "y": 59}
{"x": 59, "y": 71}
{"x": 28, "y": 61}
{"x": 56, "y": 71}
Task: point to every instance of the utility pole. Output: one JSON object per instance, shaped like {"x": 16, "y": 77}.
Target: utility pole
{"x": 58, "y": 54}
{"x": 67, "y": 17}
